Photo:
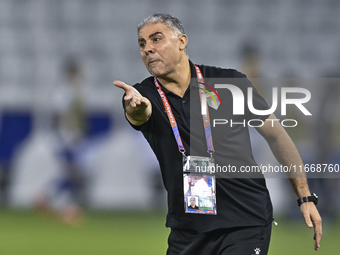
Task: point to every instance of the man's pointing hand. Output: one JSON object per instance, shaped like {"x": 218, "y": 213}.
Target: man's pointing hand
{"x": 137, "y": 107}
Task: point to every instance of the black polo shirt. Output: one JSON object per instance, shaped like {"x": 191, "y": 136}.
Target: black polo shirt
{"x": 240, "y": 201}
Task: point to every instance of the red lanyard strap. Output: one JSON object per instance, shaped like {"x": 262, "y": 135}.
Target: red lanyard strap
{"x": 171, "y": 116}
{"x": 206, "y": 117}
{"x": 173, "y": 123}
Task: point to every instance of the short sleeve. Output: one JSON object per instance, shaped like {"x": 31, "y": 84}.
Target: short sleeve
{"x": 257, "y": 101}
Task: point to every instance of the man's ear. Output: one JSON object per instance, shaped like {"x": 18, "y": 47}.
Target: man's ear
{"x": 183, "y": 41}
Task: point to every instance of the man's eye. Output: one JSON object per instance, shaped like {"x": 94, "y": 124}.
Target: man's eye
{"x": 156, "y": 39}
{"x": 142, "y": 44}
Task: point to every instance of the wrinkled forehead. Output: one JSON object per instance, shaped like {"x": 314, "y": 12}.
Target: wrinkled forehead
{"x": 152, "y": 28}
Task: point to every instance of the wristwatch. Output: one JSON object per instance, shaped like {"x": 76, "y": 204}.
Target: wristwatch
{"x": 313, "y": 198}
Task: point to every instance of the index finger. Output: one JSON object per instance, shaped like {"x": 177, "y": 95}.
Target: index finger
{"x": 317, "y": 234}
{"x": 121, "y": 85}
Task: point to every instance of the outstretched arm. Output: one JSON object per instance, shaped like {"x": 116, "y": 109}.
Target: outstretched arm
{"x": 287, "y": 154}
{"x": 138, "y": 109}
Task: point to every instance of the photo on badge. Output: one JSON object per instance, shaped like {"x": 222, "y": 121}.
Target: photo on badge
{"x": 193, "y": 203}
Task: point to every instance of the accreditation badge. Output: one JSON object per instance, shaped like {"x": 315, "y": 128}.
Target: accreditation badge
{"x": 199, "y": 185}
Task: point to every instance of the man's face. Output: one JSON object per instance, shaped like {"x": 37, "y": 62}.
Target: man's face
{"x": 192, "y": 202}
{"x": 160, "y": 48}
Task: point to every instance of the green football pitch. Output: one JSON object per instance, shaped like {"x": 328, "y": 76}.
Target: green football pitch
{"x": 124, "y": 233}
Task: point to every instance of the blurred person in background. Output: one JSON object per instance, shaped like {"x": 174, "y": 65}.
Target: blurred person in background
{"x": 251, "y": 65}
{"x": 67, "y": 194}
{"x": 4, "y": 181}
{"x": 244, "y": 212}
{"x": 15, "y": 127}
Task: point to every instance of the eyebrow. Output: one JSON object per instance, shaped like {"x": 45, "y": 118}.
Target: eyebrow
{"x": 153, "y": 34}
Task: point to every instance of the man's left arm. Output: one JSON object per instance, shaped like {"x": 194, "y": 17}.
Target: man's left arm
{"x": 287, "y": 154}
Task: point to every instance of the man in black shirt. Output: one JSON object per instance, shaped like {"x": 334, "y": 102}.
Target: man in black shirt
{"x": 244, "y": 211}
{"x": 193, "y": 203}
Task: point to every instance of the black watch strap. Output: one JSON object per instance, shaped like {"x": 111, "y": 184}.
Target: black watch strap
{"x": 313, "y": 198}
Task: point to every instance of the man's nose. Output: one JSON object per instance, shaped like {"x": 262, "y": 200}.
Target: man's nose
{"x": 148, "y": 48}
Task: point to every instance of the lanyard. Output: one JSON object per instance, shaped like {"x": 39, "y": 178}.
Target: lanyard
{"x": 173, "y": 123}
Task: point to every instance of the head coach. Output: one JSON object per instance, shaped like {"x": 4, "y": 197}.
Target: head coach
{"x": 159, "y": 107}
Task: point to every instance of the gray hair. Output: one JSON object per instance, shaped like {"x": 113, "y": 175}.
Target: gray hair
{"x": 170, "y": 21}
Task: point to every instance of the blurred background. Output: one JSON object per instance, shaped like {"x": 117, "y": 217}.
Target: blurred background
{"x": 65, "y": 146}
